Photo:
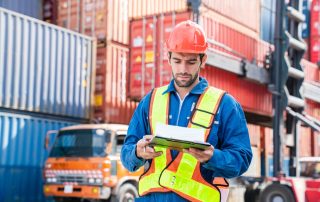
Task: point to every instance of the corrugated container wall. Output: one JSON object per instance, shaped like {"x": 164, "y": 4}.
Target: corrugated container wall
{"x": 242, "y": 41}
{"x": 143, "y": 8}
{"x": 32, "y": 8}
{"x": 23, "y": 155}
{"x": 111, "y": 103}
{"x": 105, "y": 19}
{"x": 148, "y": 58}
{"x": 244, "y": 91}
{"x": 44, "y": 68}
{"x": 243, "y": 12}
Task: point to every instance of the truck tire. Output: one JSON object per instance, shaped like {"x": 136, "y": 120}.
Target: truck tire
{"x": 251, "y": 195}
{"x": 127, "y": 193}
{"x": 277, "y": 193}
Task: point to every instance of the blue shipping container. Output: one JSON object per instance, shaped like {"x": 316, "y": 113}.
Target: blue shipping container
{"x": 32, "y": 8}
{"x": 45, "y": 68}
{"x": 23, "y": 155}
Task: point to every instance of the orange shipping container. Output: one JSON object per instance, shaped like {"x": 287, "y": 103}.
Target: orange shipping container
{"x": 111, "y": 104}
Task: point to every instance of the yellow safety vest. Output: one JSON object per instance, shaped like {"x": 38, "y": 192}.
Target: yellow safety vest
{"x": 182, "y": 175}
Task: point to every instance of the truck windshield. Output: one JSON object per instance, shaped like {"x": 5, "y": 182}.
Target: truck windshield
{"x": 81, "y": 143}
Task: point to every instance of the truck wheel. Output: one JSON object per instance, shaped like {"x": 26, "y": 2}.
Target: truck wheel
{"x": 251, "y": 195}
{"x": 277, "y": 193}
{"x": 127, "y": 193}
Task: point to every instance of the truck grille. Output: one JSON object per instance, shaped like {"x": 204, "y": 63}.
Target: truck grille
{"x": 79, "y": 179}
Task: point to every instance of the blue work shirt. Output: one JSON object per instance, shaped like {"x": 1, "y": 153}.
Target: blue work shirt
{"x": 229, "y": 136}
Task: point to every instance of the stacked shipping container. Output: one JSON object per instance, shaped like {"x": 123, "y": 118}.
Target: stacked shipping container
{"x": 148, "y": 59}
{"x": 46, "y": 82}
{"x": 109, "y": 21}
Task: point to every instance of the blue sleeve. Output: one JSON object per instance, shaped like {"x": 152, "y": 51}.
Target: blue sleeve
{"x": 233, "y": 155}
{"x": 138, "y": 127}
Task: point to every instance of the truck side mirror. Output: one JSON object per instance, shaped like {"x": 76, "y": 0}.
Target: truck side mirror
{"x": 47, "y": 140}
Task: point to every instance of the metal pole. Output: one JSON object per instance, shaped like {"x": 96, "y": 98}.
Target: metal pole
{"x": 277, "y": 104}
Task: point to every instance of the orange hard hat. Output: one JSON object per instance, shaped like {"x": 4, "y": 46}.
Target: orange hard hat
{"x": 187, "y": 37}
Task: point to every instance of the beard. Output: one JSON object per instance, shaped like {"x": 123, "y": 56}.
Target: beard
{"x": 187, "y": 83}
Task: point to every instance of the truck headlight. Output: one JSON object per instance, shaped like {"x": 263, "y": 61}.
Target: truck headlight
{"x": 98, "y": 180}
{"x": 91, "y": 180}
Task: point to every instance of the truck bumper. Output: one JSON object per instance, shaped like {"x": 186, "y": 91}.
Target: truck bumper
{"x": 93, "y": 192}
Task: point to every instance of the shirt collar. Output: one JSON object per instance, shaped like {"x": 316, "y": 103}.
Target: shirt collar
{"x": 198, "y": 89}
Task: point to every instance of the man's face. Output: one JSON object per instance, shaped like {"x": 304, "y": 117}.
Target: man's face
{"x": 185, "y": 68}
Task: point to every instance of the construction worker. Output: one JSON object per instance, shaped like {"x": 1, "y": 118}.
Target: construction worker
{"x": 188, "y": 101}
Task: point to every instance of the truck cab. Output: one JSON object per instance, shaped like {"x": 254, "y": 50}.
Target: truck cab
{"x": 84, "y": 163}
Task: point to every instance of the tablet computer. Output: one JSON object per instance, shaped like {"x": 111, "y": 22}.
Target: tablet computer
{"x": 177, "y": 144}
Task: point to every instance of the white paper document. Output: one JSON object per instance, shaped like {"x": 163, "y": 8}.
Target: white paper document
{"x": 180, "y": 133}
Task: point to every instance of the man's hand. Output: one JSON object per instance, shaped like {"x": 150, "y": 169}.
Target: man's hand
{"x": 144, "y": 151}
{"x": 201, "y": 155}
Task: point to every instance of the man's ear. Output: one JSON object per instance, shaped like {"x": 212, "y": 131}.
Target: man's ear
{"x": 169, "y": 61}
{"x": 204, "y": 60}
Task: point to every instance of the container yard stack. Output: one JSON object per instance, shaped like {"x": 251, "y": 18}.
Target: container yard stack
{"x": 46, "y": 82}
{"x": 109, "y": 21}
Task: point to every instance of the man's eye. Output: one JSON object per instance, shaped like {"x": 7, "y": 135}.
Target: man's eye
{"x": 191, "y": 63}
{"x": 177, "y": 61}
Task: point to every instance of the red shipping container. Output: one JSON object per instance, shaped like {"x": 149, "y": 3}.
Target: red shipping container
{"x": 69, "y": 14}
{"x": 107, "y": 20}
{"x": 111, "y": 103}
{"x": 144, "y": 8}
{"x": 244, "y": 91}
{"x": 315, "y": 49}
{"x": 241, "y": 41}
{"x": 149, "y": 66}
{"x": 149, "y": 34}
{"x": 315, "y": 18}
{"x": 243, "y": 12}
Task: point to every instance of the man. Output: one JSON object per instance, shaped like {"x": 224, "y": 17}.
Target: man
{"x": 188, "y": 101}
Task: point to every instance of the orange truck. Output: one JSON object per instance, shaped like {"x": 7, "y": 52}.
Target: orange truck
{"x": 84, "y": 163}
